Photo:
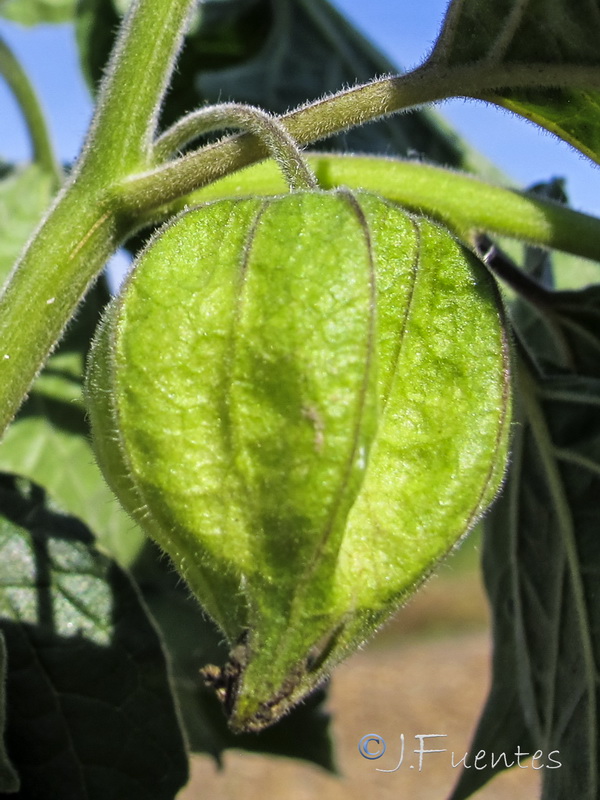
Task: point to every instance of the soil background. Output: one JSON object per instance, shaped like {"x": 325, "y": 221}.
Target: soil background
{"x": 428, "y": 672}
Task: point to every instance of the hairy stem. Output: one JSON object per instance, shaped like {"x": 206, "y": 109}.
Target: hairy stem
{"x": 334, "y": 114}
{"x": 85, "y": 224}
{"x": 16, "y": 78}
{"x": 465, "y": 204}
{"x": 123, "y": 128}
{"x": 268, "y": 129}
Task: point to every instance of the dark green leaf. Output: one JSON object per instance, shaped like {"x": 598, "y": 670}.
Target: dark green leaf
{"x": 24, "y": 196}
{"x": 552, "y": 38}
{"x": 89, "y": 705}
{"x": 575, "y": 318}
{"x": 193, "y": 642}
{"x": 502, "y": 725}
{"x": 541, "y": 551}
{"x": 49, "y": 441}
{"x": 33, "y": 12}
{"x": 542, "y": 567}
{"x": 563, "y": 327}
{"x": 277, "y": 55}
{"x": 96, "y": 23}
{"x": 9, "y": 780}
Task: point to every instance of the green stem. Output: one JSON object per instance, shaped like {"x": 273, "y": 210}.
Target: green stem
{"x": 20, "y": 85}
{"x": 37, "y": 303}
{"x": 571, "y": 457}
{"x": 468, "y": 205}
{"x": 85, "y": 225}
{"x": 124, "y": 125}
{"x": 465, "y": 204}
{"x": 344, "y": 110}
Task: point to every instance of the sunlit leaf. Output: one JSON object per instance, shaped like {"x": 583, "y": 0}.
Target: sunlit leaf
{"x": 49, "y": 440}
{"x": 90, "y": 711}
{"x": 33, "y": 12}
{"x": 516, "y": 40}
{"x": 24, "y": 196}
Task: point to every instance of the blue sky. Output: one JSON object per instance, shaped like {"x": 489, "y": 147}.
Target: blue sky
{"x": 405, "y": 31}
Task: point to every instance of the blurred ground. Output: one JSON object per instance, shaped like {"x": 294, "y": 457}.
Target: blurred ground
{"x": 427, "y": 673}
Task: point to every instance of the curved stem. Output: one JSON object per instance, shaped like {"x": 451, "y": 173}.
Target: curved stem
{"x": 266, "y": 127}
{"x": 20, "y": 85}
{"x": 120, "y": 142}
{"x": 505, "y": 268}
{"x": 465, "y": 204}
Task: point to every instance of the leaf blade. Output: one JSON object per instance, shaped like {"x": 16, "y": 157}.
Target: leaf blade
{"x": 550, "y": 37}
{"x": 34, "y": 12}
{"x": 24, "y": 196}
{"x": 9, "y": 778}
{"x": 84, "y": 661}
{"x": 49, "y": 441}
{"x": 541, "y": 561}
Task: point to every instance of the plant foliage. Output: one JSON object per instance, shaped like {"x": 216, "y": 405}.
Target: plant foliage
{"x": 101, "y": 645}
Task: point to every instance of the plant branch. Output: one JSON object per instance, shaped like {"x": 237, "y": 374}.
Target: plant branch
{"x": 20, "y": 85}
{"x": 85, "y": 225}
{"x": 465, "y": 204}
{"x": 505, "y": 268}
{"x": 337, "y": 113}
{"x": 101, "y": 204}
{"x": 124, "y": 125}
